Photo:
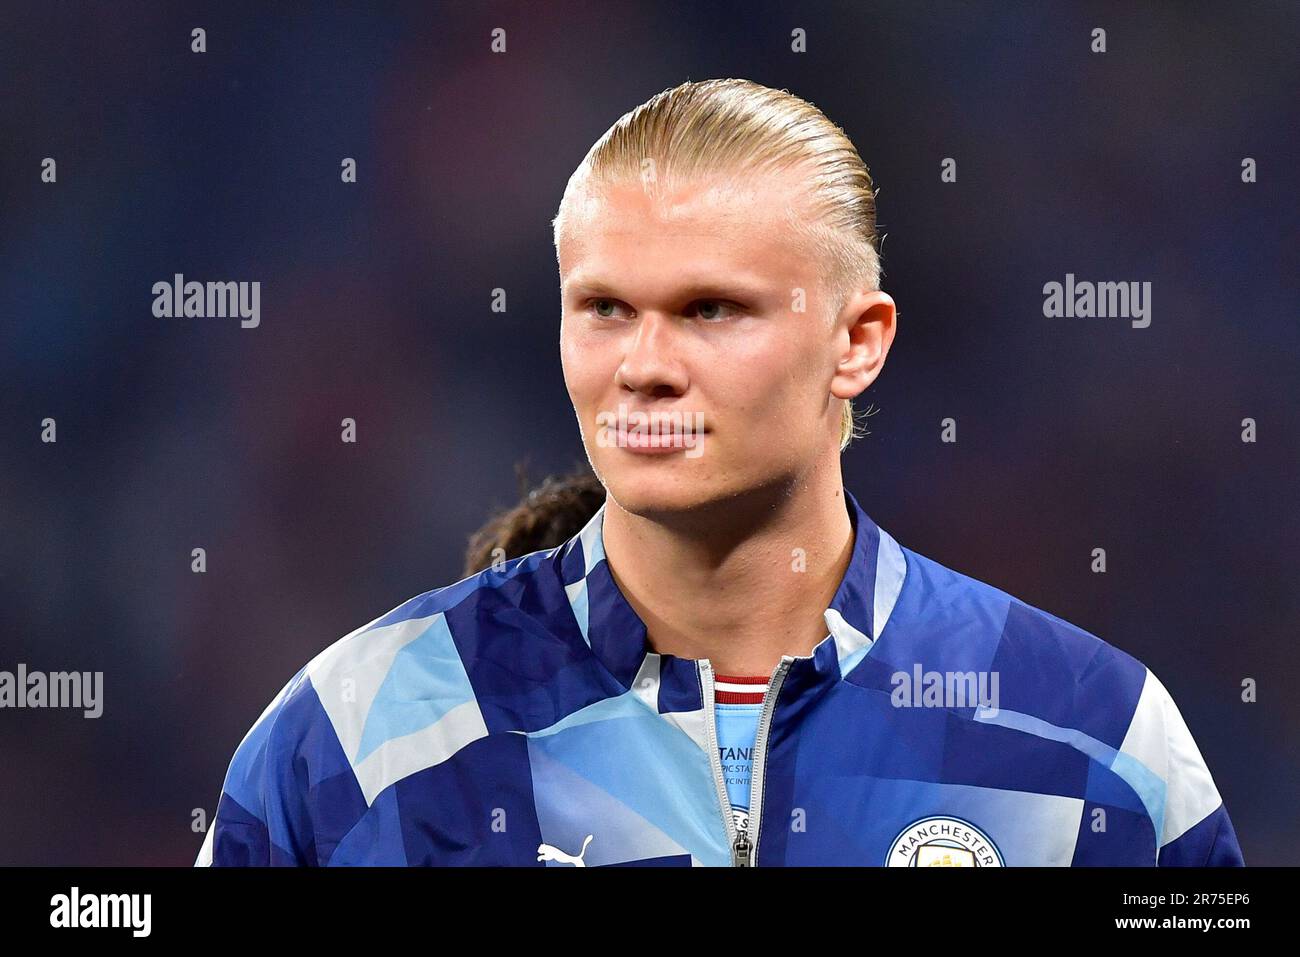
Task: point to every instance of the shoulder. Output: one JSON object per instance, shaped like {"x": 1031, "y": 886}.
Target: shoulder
{"x": 1048, "y": 667}
{"x": 422, "y": 626}
{"x": 383, "y": 701}
{"x": 352, "y": 687}
{"x": 1059, "y": 681}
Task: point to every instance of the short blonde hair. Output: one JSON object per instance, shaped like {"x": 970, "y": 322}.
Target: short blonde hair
{"x": 728, "y": 126}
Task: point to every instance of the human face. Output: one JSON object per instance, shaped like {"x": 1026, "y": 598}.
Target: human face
{"x": 696, "y": 308}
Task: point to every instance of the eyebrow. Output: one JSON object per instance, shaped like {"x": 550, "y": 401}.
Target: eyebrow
{"x": 689, "y": 290}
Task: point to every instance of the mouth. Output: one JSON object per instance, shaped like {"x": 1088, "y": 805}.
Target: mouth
{"x": 652, "y": 442}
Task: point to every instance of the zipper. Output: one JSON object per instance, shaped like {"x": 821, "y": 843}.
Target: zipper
{"x": 705, "y": 668}
{"x": 760, "y": 756}
{"x": 744, "y": 844}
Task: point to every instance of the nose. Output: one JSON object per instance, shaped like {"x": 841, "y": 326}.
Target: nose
{"x": 650, "y": 366}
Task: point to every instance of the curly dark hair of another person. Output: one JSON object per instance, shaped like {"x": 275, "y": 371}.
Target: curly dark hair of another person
{"x": 548, "y": 515}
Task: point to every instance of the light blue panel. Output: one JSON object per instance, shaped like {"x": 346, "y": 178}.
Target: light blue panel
{"x": 427, "y": 679}
{"x": 578, "y": 601}
{"x": 737, "y": 729}
{"x": 642, "y": 775}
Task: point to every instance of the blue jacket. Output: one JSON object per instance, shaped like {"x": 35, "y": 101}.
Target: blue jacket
{"x": 519, "y": 717}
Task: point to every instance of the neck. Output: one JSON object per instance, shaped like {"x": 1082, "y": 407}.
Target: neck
{"x": 741, "y": 582}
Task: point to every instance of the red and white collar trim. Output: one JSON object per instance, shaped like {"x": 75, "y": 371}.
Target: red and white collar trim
{"x": 739, "y": 689}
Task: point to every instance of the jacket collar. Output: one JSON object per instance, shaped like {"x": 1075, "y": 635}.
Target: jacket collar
{"x": 615, "y": 633}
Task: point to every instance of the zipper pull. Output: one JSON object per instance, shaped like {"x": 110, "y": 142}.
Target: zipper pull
{"x": 743, "y": 849}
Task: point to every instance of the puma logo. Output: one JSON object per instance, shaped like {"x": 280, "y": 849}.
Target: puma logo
{"x": 545, "y": 852}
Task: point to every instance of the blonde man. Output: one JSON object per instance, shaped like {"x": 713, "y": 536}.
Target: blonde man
{"x": 732, "y": 663}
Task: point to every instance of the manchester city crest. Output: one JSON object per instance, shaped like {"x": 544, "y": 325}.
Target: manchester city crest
{"x": 943, "y": 841}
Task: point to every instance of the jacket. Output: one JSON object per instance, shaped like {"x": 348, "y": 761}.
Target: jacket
{"x": 520, "y": 717}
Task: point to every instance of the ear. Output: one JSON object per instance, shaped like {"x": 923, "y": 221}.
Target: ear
{"x": 864, "y": 331}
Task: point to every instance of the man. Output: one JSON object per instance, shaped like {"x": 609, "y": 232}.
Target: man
{"x": 731, "y": 663}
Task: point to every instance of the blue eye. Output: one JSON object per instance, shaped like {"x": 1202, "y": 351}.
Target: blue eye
{"x": 711, "y": 310}
{"x": 599, "y": 305}
{"x": 708, "y": 310}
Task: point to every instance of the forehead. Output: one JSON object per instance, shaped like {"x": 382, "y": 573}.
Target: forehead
{"x": 740, "y": 220}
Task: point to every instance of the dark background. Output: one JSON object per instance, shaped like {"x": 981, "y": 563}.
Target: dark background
{"x": 177, "y": 433}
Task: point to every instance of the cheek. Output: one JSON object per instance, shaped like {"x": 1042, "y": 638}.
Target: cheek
{"x": 581, "y": 361}
{"x": 567, "y": 368}
{"x": 571, "y": 357}
{"x": 768, "y": 376}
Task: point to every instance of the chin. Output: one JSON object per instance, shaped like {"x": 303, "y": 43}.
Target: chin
{"x": 657, "y": 496}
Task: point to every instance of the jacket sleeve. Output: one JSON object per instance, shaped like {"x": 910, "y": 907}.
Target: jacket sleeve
{"x": 1212, "y": 842}
{"x": 1189, "y": 817}
{"x": 262, "y": 817}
